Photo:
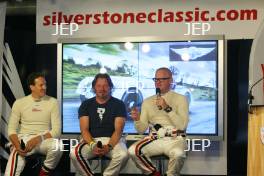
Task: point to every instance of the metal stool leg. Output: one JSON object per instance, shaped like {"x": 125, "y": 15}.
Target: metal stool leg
{"x": 101, "y": 165}
{"x": 103, "y": 161}
{"x": 160, "y": 159}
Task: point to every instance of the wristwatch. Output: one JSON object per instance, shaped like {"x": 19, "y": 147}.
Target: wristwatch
{"x": 110, "y": 147}
{"x": 168, "y": 109}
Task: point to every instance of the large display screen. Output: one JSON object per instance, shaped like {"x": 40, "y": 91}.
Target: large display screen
{"x": 194, "y": 65}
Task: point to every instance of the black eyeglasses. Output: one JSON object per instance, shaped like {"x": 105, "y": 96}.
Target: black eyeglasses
{"x": 160, "y": 79}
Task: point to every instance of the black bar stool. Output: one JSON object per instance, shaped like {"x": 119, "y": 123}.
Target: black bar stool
{"x": 160, "y": 162}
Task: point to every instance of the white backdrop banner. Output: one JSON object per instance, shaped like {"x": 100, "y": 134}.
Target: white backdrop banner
{"x": 256, "y": 67}
{"x": 236, "y": 19}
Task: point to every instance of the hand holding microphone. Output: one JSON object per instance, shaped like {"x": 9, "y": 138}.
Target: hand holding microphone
{"x": 21, "y": 149}
{"x": 98, "y": 150}
{"x": 160, "y": 101}
{"x": 103, "y": 149}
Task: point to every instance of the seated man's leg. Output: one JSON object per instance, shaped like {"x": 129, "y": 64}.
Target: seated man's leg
{"x": 15, "y": 164}
{"x": 119, "y": 157}
{"x": 141, "y": 151}
{"x": 175, "y": 151}
{"x": 53, "y": 152}
{"x": 79, "y": 156}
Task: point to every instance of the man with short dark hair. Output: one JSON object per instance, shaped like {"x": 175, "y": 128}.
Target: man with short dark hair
{"x": 102, "y": 119}
{"x": 34, "y": 121}
{"x": 166, "y": 114}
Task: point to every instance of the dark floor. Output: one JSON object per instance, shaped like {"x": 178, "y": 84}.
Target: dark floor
{"x": 143, "y": 175}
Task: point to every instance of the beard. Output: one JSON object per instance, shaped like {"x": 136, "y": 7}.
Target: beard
{"x": 104, "y": 95}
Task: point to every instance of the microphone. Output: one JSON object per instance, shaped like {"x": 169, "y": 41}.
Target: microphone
{"x": 250, "y": 95}
{"x": 99, "y": 144}
{"x": 157, "y": 127}
{"x": 22, "y": 145}
{"x": 158, "y": 93}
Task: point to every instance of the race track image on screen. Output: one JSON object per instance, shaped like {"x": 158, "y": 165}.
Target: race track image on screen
{"x": 132, "y": 67}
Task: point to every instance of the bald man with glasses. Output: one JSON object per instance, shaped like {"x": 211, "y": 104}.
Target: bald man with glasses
{"x": 166, "y": 115}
